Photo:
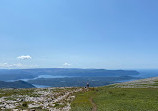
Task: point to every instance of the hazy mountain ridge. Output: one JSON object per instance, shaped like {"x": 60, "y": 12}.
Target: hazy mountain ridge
{"x": 16, "y": 74}
{"x": 16, "y": 84}
{"x": 71, "y": 77}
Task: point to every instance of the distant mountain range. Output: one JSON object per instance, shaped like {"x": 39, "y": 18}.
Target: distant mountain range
{"x": 16, "y": 74}
{"x": 62, "y": 77}
{"x": 16, "y": 84}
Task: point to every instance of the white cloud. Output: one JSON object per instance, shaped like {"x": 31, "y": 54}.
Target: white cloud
{"x": 6, "y": 65}
{"x": 17, "y": 65}
{"x": 24, "y": 57}
{"x": 66, "y": 64}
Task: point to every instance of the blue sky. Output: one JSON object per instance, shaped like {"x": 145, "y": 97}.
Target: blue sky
{"x": 110, "y": 34}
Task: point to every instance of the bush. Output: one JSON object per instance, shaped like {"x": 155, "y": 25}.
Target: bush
{"x": 24, "y": 104}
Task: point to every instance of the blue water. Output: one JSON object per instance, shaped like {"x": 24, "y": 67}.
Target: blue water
{"x": 147, "y": 73}
{"x": 40, "y": 86}
{"x": 43, "y": 76}
{"x": 40, "y": 76}
{"x": 50, "y": 76}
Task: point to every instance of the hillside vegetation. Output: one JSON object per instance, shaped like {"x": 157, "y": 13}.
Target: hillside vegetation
{"x": 142, "y": 83}
{"x": 140, "y": 95}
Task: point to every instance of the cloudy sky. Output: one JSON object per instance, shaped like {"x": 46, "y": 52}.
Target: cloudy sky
{"x": 111, "y": 34}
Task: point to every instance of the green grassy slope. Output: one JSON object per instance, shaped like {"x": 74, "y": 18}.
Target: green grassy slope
{"x": 112, "y": 98}
{"x": 118, "y": 99}
{"x": 82, "y": 102}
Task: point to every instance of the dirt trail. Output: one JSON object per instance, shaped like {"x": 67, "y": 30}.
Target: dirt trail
{"x": 93, "y": 104}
